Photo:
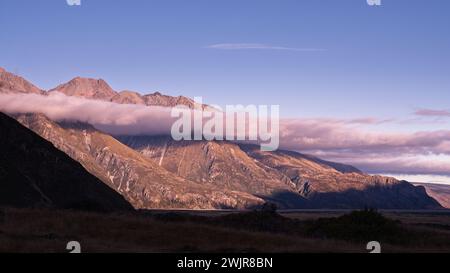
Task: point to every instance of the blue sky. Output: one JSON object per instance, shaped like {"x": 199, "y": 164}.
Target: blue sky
{"x": 331, "y": 59}
{"x": 374, "y": 61}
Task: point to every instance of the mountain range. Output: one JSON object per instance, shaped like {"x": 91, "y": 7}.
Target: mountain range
{"x": 158, "y": 172}
{"x": 99, "y": 89}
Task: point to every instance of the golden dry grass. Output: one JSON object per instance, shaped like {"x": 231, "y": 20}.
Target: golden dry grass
{"x": 33, "y": 230}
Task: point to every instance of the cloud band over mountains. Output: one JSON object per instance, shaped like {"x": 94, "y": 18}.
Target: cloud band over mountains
{"x": 347, "y": 141}
{"x": 110, "y": 117}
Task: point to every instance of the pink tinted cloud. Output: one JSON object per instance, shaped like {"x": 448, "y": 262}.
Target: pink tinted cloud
{"x": 432, "y": 113}
{"x": 419, "y": 152}
{"x": 329, "y": 134}
{"x": 107, "y": 116}
{"x": 342, "y": 140}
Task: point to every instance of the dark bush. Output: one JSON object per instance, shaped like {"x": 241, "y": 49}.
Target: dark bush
{"x": 269, "y": 207}
{"x": 359, "y": 226}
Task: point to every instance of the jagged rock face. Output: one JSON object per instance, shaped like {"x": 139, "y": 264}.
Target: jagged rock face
{"x": 128, "y": 97}
{"x": 290, "y": 179}
{"x": 142, "y": 182}
{"x": 10, "y": 83}
{"x": 33, "y": 173}
{"x": 219, "y": 163}
{"x": 158, "y": 99}
{"x": 318, "y": 176}
{"x": 155, "y": 99}
{"x": 329, "y": 185}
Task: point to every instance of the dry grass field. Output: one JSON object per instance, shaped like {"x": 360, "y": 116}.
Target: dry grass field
{"x": 32, "y": 230}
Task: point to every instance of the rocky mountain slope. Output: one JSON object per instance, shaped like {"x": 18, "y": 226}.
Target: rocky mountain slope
{"x": 11, "y": 83}
{"x": 141, "y": 181}
{"x": 33, "y": 173}
{"x": 440, "y": 192}
{"x": 211, "y": 162}
{"x": 326, "y": 184}
{"x": 290, "y": 179}
{"x": 86, "y": 88}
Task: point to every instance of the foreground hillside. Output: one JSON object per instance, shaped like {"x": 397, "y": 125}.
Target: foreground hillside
{"x": 33, "y": 173}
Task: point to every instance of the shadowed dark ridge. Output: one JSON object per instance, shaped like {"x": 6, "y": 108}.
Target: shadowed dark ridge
{"x": 33, "y": 173}
{"x": 380, "y": 197}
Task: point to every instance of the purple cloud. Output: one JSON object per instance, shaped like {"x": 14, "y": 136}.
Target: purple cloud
{"x": 432, "y": 113}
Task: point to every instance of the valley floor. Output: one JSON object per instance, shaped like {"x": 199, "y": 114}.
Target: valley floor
{"x": 33, "y": 230}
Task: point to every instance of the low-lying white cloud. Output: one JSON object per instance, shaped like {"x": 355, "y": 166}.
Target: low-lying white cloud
{"x": 346, "y": 141}
{"x": 424, "y": 152}
{"x": 420, "y": 178}
{"x": 107, "y": 116}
